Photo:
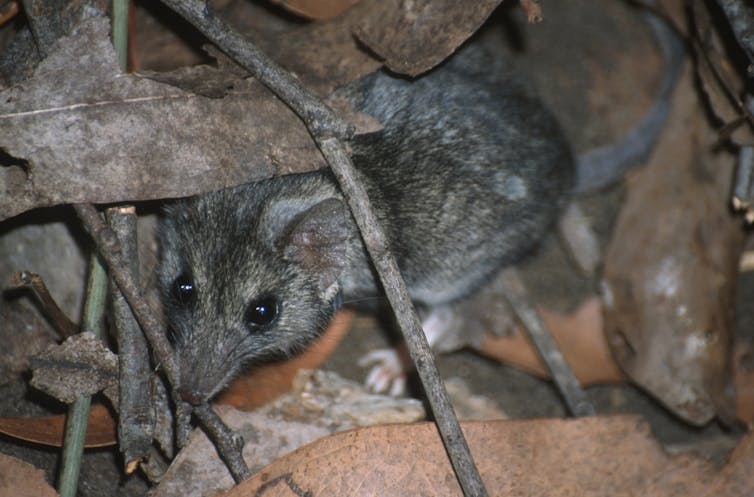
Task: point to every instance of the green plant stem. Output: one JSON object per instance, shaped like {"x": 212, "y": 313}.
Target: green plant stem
{"x": 120, "y": 31}
{"x": 78, "y": 412}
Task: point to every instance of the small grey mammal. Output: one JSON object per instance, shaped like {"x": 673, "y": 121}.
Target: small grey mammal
{"x": 466, "y": 176}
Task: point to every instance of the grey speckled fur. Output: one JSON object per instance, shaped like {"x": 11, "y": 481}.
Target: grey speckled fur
{"x": 466, "y": 176}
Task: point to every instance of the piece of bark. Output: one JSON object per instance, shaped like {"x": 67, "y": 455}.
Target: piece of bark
{"x": 136, "y": 409}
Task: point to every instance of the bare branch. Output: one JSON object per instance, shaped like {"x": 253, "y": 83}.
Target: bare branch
{"x": 229, "y": 443}
{"x": 135, "y": 420}
{"x": 50, "y": 308}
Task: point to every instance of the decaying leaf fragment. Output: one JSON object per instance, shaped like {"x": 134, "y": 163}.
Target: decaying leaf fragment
{"x": 670, "y": 271}
{"x": 81, "y": 365}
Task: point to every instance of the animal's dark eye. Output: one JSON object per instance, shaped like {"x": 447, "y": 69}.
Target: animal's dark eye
{"x": 261, "y": 312}
{"x": 183, "y": 290}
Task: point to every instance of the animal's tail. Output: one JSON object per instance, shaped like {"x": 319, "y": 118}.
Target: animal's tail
{"x": 604, "y": 165}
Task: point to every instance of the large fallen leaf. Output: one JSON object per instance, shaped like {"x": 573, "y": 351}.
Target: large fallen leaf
{"x": 670, "y": 270}
{"x": 48, "y": 430}
{"x": 743, "y": 356}
{"x": 595, "y": 456}
{"x": 79, "y": 120}
{"x": 21, "y": 479}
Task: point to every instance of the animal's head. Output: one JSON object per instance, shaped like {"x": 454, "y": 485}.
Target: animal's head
{"x": 247, "y": 274}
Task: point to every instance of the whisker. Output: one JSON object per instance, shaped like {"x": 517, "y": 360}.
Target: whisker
{"x": 365, "y": 299}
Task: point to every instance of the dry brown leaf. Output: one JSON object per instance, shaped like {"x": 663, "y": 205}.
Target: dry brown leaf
{"x": 48, "y": 430}
{"x": 671, "y": 267}
{"x": 579, "y": 336}
{"x": 21, "y": 479}
{"x": 400, "y": 32}
{"x": 153, "y": 140}
{"x": 595, "y": 456}
{"x": 267, "y": 382}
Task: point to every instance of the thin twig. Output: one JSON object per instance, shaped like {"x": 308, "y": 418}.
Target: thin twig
{"x": 78, "y": 412}
{"x": 574, "y": 396}
{"x": 50, "y": 308}
{"x": 327, "y": 130}
{"x": 135, "y": 419}
{"x": 73, "y": 447}
{"x": 229, "y": 443}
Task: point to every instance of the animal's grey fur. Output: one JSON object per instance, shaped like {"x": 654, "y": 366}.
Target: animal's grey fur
{"x": 466, "y": 176}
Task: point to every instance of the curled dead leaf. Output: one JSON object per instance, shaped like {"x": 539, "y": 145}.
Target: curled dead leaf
{"x": 48, "y": 430}
{"x": 670, "y": 271}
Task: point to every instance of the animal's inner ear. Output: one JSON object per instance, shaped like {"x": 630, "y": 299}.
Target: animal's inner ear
{"x": 317, "y": 238}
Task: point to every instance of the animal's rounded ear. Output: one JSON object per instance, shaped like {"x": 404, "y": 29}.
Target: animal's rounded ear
{"x": 317, "y": 238}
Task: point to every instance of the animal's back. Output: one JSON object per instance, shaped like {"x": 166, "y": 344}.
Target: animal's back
{"x": 467, "y": 174}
